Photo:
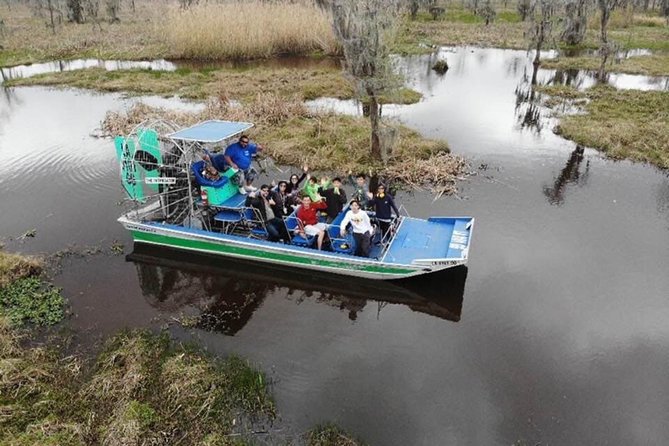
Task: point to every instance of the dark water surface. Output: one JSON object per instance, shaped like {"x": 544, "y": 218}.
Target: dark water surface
{"x": 557, "y": 333}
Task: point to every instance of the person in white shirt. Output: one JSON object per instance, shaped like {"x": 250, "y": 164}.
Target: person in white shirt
{"x": 362, "y": 229}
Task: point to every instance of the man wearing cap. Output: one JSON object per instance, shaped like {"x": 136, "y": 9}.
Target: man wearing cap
{"x": 239, "y": 156}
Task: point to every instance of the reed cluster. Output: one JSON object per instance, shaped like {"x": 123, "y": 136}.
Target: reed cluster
{"x": 249, "y": 30}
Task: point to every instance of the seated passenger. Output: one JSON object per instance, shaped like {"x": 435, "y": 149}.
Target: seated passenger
{"x": 383, "y": 203}
{"x": 240, "y": 156}
{"x": 335, "y": 197}
{"x": 362, "y": 229}
{"x": 308, "y": 215}
{"x": 276, "y": 228}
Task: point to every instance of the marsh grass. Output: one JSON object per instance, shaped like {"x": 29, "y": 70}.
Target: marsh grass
{"x": 310, "y": 83}
{"x": 653, "y": 65}
{"x": 330, "y": 435}
{"x": 459, "y": 27}
{"x": 14, "y": 267}
{"x": 142, "y": 389}
{"x": 622, "y": 123}
{"x": 249, "y": 30}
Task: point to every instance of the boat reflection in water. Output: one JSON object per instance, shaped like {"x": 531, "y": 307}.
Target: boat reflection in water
{"x": 226, "y": 293}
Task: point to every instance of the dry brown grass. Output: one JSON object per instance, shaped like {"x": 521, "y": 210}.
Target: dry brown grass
{"x": 249, "y": 30}
{"x": 15, "y": 266}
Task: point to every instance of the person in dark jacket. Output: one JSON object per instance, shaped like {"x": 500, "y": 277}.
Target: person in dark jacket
{"x": 281, "y": 206}
{"x": 276, "y": 229}
{"x": 335, "y": 197}
{"x": 383, "y": 204}
{"x": 293, "y": 186}
{"x": 294, "y": 181}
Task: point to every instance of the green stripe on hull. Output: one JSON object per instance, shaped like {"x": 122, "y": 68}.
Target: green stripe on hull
{"x": 203, "y": 245}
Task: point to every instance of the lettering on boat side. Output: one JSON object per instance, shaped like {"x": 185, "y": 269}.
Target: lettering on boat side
{"x": 160, "y": 180}
{"x": 140, "y": 228}
{"x": 445, "y": 262}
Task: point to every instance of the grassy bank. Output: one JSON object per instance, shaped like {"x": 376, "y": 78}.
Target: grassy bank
{"x": 241, "y": 84}
{"x": 622, "y": 123}
{"x": 140, "y": 390}
{"x": 329, "y": 142}
{"x": 654, "y": 65}
{"x": 459, "y": 26}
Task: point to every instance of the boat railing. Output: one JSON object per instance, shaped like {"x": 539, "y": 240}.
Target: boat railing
{"x": 403, "y": 211}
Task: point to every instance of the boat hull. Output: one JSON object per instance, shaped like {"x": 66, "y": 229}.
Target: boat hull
{"x": 195, "y": 240}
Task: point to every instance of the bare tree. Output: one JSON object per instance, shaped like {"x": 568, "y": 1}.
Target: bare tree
{"x": 113, "y": 7}
{"x": 524, "y": 8}
{"x": 51, "y": 6}
{"x": 665, "y": 10}
{"x": 75, "y": 11}
{"x": 541, "y": 28}
{"x": 606, "y": 48}
{"x": 575, "y": 21}
{"x": 488, "y": 12}
{"x": 93, "y": 12}
{"x": 2, "y": 31}
{"x": 365, "y": 29}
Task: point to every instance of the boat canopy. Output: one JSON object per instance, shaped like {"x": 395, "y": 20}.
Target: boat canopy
{"x": 213, "y": 131}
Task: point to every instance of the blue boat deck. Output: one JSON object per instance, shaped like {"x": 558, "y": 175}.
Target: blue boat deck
{"x": 428, "y": 239}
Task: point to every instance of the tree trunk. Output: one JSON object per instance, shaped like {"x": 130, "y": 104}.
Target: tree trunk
{"x": 604, "y": 50}
{"x": 374, "y": 112}
{"x": 540, "y": 43}
{"x": 53, "y": 25}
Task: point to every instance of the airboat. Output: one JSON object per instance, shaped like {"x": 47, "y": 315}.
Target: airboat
{"x": 174, "y": 205}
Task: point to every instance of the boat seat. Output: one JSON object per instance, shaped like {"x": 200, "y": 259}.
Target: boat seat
{"x": 197, "y": 169}
{"x": 253, "y": 221}
{"x": 229, "y": 219}
{"x": 341, "y": 245}
{"x": 293, "y": 223}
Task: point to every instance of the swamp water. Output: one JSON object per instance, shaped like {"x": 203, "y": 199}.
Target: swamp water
{"x": 557, "y": 333}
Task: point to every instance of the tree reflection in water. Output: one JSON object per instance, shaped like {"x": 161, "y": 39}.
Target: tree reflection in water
{"x": 528, "y": 103}
{"x": 571, "y": 173}
{"x": 225, "y": 296}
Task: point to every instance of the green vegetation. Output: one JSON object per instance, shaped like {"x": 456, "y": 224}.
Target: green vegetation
{"x": 31, "y": 300}
{"x": 24, "y": 297}
{"x": 654, "y": 65}
{"x": 330, "y": 435}
{"x": 140, "y": 390}
{"x": 622, "y": 123}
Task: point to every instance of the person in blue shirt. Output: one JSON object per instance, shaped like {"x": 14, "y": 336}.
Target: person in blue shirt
{"x": 239, "y": 156}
